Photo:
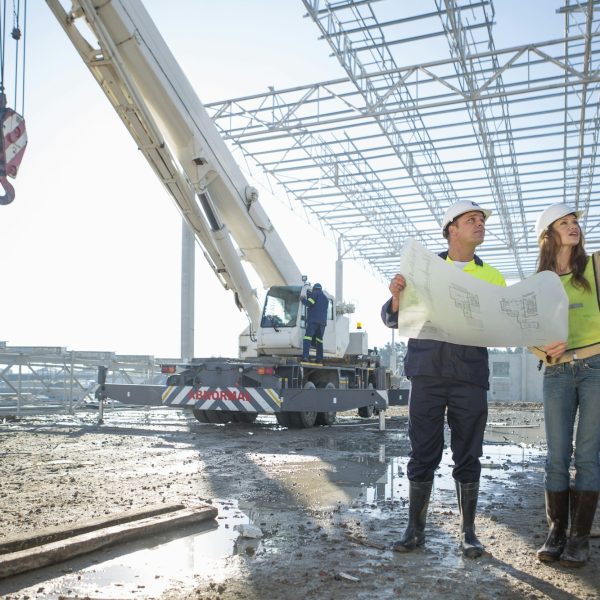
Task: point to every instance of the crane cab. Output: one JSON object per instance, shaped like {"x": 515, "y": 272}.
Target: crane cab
{"x": 283, "y": 324}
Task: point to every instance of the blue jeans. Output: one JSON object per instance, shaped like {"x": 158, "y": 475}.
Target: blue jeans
{"x": 567, "y": 388}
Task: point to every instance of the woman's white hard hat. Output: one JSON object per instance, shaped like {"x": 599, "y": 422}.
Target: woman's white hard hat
{"x": 460, "y": 208}
{"x": 551, "y": 214}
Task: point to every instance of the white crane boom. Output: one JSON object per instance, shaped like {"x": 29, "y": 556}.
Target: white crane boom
{"x": 146, "y": 86}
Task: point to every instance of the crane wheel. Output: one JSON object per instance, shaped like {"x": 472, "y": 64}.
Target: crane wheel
{"x": 298, "y": 419}
{"x": 243, "y": 417}
{"x": 366, "y": 412}
{"x": 212, "y": 416}
{"x": 326, "y": 418}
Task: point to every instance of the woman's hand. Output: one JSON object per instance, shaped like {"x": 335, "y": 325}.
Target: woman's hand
{"x": 555, "y": 349}
{"x": 396, "y": 287}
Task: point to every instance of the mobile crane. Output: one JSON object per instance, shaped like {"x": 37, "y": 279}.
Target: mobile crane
{"x": 125, "y": 52}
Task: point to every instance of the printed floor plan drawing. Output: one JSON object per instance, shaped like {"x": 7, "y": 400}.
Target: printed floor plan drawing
{"x": 443, "y": 303}
{"x": 468, "y": 303}
{"x": 524, "y": 310}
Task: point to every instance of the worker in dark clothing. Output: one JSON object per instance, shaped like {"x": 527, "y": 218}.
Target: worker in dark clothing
{"x": 316, "y": 320}
{"x": 447, "y": 379}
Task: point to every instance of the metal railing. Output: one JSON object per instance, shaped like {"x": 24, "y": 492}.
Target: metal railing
{"x": 43, "y": 379}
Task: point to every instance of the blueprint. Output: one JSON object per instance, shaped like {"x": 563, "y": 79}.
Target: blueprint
{"x": 442, "y": 303}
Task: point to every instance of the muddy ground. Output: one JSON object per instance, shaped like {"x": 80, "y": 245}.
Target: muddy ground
{"x": 329, "y": 502}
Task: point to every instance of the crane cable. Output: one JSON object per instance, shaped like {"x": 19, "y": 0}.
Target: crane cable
{"x": 2, "y": 52}
{"x": 16, "y": 34}
{"x": 13, "y": 136}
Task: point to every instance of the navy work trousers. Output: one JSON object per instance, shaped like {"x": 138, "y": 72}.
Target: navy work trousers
{"x": 314, "y": 335}
{"x": 466, "y": 407}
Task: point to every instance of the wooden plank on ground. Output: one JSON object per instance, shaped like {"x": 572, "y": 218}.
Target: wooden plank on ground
{"x": 53, "y": 552}
{"x": 22, "y": 541}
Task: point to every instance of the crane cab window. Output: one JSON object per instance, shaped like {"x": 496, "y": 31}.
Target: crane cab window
{"x": 281, "y": 306}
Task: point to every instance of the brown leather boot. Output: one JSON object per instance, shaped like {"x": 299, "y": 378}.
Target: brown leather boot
{"x": 577, "y": 549}
{"x": 557, "y": 513}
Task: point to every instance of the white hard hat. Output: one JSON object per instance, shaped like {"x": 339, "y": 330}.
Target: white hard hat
{"x": 460, "y": 208}
{"x": 551, "y": 214}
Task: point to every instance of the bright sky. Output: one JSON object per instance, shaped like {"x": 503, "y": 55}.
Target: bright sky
{"x": 91, "y": 245}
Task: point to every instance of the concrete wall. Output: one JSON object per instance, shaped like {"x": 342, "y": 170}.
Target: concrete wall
{"x": 515, "y": 378}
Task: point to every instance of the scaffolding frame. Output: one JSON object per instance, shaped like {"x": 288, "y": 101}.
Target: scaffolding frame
{"x": 378, "y": 154}
{"x": 42, "y": 379}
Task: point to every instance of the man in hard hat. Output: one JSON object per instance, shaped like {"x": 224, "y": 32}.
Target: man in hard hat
{"x": 316, "y": 321}
{"x": 450, "y": 379}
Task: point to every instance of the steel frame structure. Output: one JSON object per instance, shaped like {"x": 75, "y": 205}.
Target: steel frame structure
{"x": 40, "y": 379}
{"x": 378, "y": 154}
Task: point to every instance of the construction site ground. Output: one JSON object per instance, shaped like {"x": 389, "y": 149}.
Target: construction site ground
{"x": 328, "y": 501}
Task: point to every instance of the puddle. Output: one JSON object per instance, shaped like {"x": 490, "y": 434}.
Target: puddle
{"x": 372, "y": 474}
{"x": 504, "y": 465}
{"x": 139, "y": 569}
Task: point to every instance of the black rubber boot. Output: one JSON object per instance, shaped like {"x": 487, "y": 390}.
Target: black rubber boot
{"x": 467, "y": 494}
{"x": 419, "y": 493}
{"x": 583, "y": 509}
{"x": 557, "y": 513}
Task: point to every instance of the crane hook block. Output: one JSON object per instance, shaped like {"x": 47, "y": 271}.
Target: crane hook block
{"x": 14, "y": 141}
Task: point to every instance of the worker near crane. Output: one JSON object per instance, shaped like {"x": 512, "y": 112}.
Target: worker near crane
{"x": 316, "y": 320}
{"x": 450, "y": 379}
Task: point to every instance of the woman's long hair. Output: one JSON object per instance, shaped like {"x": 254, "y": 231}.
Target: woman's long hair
{"x": 549, "y": 246}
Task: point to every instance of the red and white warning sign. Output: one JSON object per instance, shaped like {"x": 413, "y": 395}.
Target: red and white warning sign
{"x": 14, "y": 141}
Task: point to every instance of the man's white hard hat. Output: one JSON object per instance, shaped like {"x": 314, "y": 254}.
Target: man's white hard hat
{"x": 551, "y": 214}
{"x": 460, "y": 208}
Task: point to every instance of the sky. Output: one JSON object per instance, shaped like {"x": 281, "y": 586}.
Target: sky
{"x": 90, "y": 246}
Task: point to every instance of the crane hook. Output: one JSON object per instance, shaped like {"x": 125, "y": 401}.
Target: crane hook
{"x": 9, "y": 196}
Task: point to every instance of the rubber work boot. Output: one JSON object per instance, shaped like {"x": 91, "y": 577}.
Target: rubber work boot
{"x": 557, "y": 513}
{"x": 583, "y": 509}
{"x": 467, "y": 494}
{"x": 419, "y": 493}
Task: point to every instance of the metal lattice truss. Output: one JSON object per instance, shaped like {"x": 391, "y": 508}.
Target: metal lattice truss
{"x": 378, "y": 154}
